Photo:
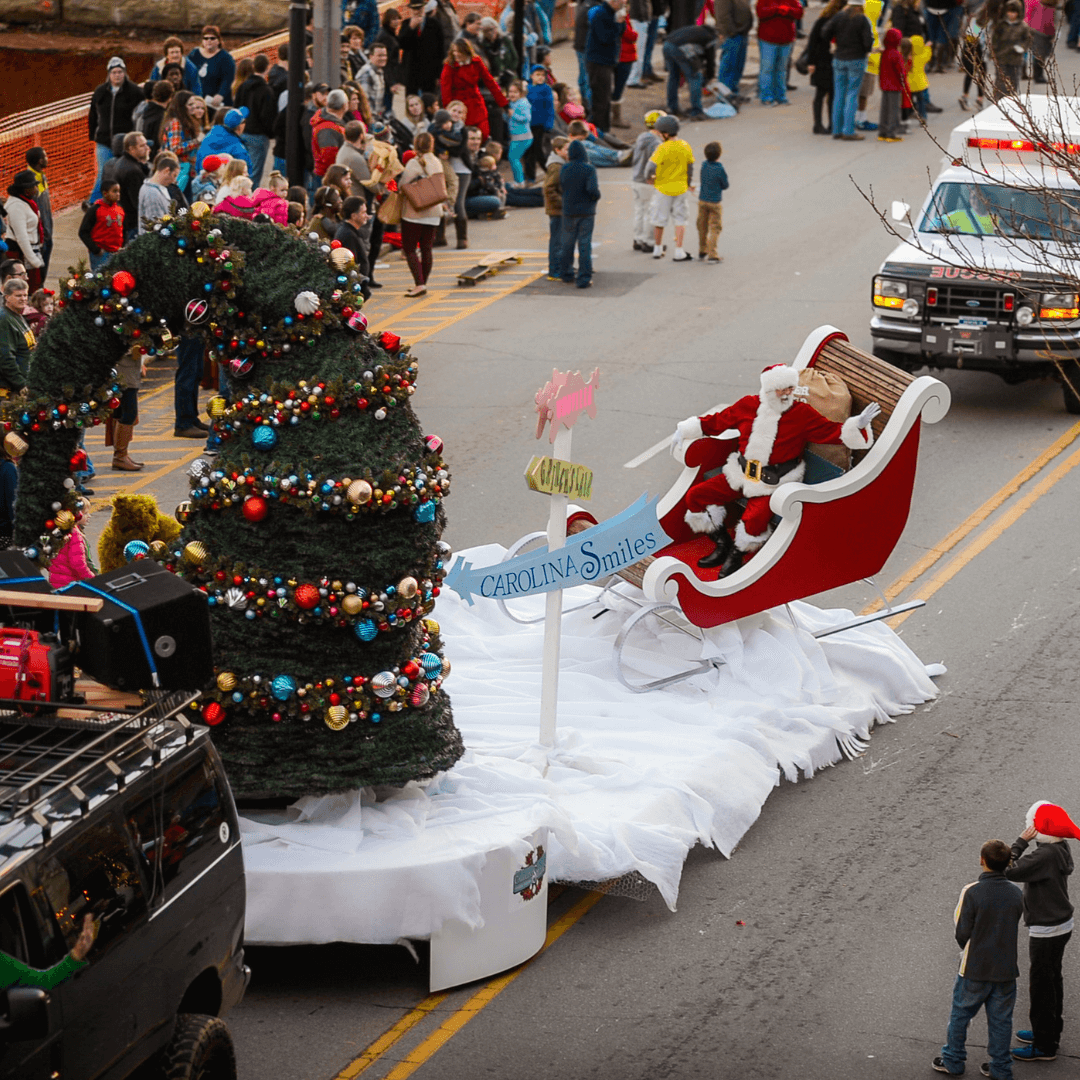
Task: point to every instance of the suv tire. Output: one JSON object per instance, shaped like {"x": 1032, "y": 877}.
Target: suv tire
{"x": 201, "y": 1049}
{"x": 1071, "y": 371}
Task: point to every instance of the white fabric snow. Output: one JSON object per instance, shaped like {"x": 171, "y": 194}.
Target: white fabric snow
{"x": 633, "y": 782}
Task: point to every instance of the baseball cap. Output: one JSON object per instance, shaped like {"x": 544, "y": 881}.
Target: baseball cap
{"x": 235, "y": 117}
{"x": 320, "y": 88}
{"x": 213, "y": 162}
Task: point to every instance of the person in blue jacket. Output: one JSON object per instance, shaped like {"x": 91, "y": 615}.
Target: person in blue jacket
{"x": 173, "y": 50}
{"x": 580, "y": 194}
{"x": 215, "y": 66}
{"x": 542, "y": 106}
{"x": 225, "y": 138}
{"x": 601, "y": 55}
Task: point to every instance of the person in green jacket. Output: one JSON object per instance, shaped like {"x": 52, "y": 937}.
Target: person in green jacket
{"x": 15, "y": 973}
{"x": 16, "y": 337}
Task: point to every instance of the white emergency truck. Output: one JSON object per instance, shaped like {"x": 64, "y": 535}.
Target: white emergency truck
{"x": 989, "y": 277}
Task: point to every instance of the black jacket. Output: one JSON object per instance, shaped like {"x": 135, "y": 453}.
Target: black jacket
{"x": 110, "y": 114}
{"x": 278, "y": 78}
{"x": 850, "y": 29}
{"x": 909, "y": 21}
{"x": 987, "y": 917}
{"x": 581, "y": 24}
{"x": 150, "y": 123}
{"x": 255, "y": 93}
{"x": 1045, "y": 873}
{"x": 131, "y": 174}
{"x": 422, "y": 52}
{"x": 818, "y": 55}
{"x": 394, "y": 72}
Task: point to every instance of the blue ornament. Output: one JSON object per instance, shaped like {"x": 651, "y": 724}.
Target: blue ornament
{"x": 31, "y": 552}
{"x": 375, "y": 717}
{"x": 134, "y": 548}
{"x": 432, "y": 665}
{"x": 283, "y": 687}
{"x": 366, "y": 630}
{"x": 237, "y": 697}
{"x": 425, "y": 513}
{"x": 264, "y": 437}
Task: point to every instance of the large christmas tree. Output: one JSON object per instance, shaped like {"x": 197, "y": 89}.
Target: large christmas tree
{"x": 314, "y": 531}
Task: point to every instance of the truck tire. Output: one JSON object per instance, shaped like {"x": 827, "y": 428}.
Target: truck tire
{"x": 201, "y": 1049}
{"x": 1071, "y": 371}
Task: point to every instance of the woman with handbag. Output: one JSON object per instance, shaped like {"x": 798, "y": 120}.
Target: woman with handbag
{"x": 819, "y": 67}
{"x": 421, "y": 184}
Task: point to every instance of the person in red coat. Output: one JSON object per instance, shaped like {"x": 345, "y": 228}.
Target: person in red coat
{"x": 892, "y": 77}
{"x": 462, "y": 76}
{"x": 773, "y": 430}
{"x": 776, "y": 32}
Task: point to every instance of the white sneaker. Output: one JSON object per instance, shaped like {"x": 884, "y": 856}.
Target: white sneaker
{"x": 682, "y": 256}
{"x": 658, "y": 251}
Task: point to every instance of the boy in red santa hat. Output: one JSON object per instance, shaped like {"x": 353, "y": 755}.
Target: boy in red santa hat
{"x": 774, "y": 430}
{"x": 1048, "y": 915}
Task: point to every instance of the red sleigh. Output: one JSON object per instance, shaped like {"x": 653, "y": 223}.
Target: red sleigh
{"x": 829, "y": 534}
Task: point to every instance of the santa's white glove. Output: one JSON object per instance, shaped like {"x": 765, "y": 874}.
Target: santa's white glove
{"x": 686, "y": 431}
{"x": 868, "y": 415}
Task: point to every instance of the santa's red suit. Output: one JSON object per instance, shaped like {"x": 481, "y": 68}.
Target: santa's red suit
{"x": 771, "y": 433}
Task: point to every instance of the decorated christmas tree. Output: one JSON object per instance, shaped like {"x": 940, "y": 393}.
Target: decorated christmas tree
{"x": 315, "y": 529}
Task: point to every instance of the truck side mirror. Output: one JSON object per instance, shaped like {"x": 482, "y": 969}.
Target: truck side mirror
{"x": 24, "y": 1014}
{"x": 899, "y": 211}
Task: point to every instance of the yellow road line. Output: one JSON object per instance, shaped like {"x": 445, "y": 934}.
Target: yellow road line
{"x": 948, "y": 572}
{"x": 390, "y": 1037}
{"x": 483, "y": 997}
{"x": 966, "y": 527}
{"x": 144, "y": 477}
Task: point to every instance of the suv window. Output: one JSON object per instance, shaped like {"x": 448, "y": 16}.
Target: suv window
{"x": 13, "y": 926}
{"x": 179, "y": 831}
{"x": 95, "y": 873}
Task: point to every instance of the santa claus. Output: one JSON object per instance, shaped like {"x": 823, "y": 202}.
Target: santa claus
{"x": 774, "y": 430}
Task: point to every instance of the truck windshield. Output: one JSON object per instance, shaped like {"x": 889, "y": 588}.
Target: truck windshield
{"x": 992, "y": 210}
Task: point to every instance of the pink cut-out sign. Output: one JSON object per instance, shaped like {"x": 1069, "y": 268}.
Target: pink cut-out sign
{"x": 565, "y": 397}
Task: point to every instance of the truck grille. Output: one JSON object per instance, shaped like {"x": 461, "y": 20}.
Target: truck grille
{"x": 956, "y": 301}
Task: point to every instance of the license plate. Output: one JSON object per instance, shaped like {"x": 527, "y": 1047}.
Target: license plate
{"x": 971, "y": 323}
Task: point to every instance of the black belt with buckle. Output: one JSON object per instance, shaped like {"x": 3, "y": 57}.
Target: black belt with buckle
{"x": 767, "y": 474}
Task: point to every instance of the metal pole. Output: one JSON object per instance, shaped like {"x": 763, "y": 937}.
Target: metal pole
{"x": 294, "y": 151}
{"x": 326, "y": 31}
{"x": 519, "y": 34}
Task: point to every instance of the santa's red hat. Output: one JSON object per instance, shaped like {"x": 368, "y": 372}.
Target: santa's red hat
{"x": 779, "y": 377}
{"x": 1051, "y": 823}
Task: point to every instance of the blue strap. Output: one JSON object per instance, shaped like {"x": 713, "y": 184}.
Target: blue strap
{"x": 127, "y": 607}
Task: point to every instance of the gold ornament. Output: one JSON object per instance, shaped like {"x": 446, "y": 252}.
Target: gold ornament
{"x": 407, "y": 587}
{"x": 159, "y": 549}
{"x": 431, "y": 626}
{"x": 337, "y": 717}
{"x": 15, "y": 444}
{"x": 359, "y": 492}
{"x": 445, "y": 667}
{"x": 195, "y": 552}
{"x": 217, "y": 407}
{"x": 183, "y": 512}
{"x": 64, "y": 520}
{"x": 226, "y": 681}
{"x": 341, "y": 257}
{"x": 352, "y": 605}
{"x": 200, "y": 209}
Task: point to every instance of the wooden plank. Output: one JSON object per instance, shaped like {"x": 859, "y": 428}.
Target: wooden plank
{"x": 50, "y": 601}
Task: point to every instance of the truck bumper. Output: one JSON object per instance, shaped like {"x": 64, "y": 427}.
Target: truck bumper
{"x": 234, "y": 981}
{"x": 1029, "y": 345}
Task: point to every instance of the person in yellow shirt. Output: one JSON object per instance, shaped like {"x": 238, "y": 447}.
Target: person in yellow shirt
{"x": 872, "y": 10}
{"x": 976, "y": 219}
{"x": 671, "y": 172}
{"x": 918, "y": 85}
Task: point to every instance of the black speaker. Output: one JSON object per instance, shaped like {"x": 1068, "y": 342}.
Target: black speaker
{"x": 19, "y": 574}
{"x": 152, "y": 633}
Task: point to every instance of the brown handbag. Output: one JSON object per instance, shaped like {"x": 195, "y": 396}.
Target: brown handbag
{"x": 426, "y": 190}
{"x": 389, "y": 212}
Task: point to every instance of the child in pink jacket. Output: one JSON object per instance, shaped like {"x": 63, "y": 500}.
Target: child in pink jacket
{"x": 72, "y": 562}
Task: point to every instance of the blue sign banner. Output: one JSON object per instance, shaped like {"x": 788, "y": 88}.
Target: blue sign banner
{"x": 594, "y": 553}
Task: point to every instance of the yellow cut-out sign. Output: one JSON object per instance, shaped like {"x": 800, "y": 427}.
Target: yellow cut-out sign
{"x": 554, "y": 477}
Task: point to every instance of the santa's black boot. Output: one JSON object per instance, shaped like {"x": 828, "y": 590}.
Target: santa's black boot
{"x": 733, "y": 562}
{"x": 722, "y": 552}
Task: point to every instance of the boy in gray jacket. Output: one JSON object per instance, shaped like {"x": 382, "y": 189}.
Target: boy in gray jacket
{"x": 986, "y": 917}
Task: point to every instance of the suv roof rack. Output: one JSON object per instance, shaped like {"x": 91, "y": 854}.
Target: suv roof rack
{"x": 48, "y": 755}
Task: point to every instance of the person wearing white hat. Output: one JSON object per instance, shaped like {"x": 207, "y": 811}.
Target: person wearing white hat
{"x": 111, "y": 107}
{"x": 1048, "y": 915}
{"x": 774, "y": 429}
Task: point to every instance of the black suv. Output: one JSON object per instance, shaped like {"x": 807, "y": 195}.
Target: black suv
{"x": 128, "y": 818}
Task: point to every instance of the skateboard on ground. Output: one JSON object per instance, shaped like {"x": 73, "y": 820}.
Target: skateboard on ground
{"x": 489, "y": 264}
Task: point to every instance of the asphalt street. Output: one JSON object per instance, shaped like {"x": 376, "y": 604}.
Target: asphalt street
{"x": 823, "y": 949}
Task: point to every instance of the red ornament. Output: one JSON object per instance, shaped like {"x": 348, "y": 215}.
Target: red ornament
{"x": 213, "y": 712}
{"x": 335, "y": 244}
{"x": 390, "y": 342}
{"x": 256, "y": 508}
{"x": 307, "y": 596}
{"x": 123, "y": 283}
{"x": 78, "y": 461}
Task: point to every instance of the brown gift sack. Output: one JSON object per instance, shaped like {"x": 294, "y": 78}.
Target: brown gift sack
{"x": 831, "y": 397}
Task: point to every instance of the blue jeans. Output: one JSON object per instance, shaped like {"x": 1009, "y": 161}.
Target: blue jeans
{"x": 583, "y": 81}
{"x": 279, "y": 164}
{"x": 772, "y": 78}
{"x": 968, "y": 997}
{"x": 258, "y": 146}
{"x": 622, "y": 73}
{"x": 732, "y": 62}
{"x": 919, "y": 101}
{"x": 603, "y": 157}
{"x": 189, "y": 364}
{"x": 102, "y": 154}
{"x": 577, "y": 230}
{"x": 1074, "y": 26}
{"x": 555, "y": 246}
{"x": 678, "y": 64}
{"x": 475, "y": 205}
{"x": 650, "y": 44}
{"x": 847, "y": 78}
{"x": 518, "y": 148}
{"x": 99, "y": 260}
{"x": 941, "y": 29}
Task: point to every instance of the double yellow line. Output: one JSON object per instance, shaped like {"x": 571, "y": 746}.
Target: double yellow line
{"x": 946, "y": 573}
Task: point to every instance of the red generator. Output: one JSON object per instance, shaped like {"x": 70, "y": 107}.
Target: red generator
{"x": 34, "y": 667}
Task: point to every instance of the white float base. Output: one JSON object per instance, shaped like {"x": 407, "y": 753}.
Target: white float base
{"x": 632, "y": 783}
